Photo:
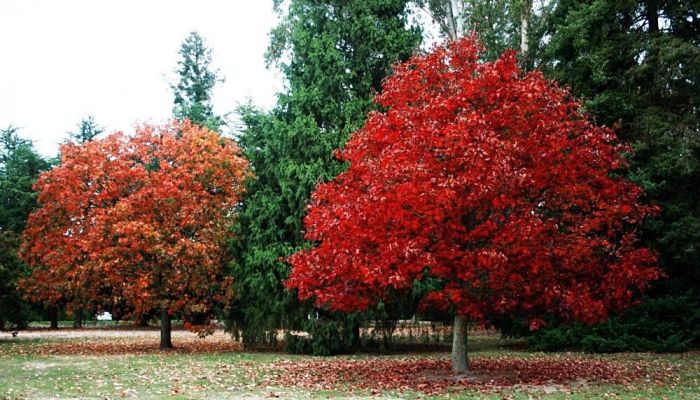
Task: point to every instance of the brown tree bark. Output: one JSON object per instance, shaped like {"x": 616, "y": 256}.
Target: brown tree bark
{"x": 143, "y": 320}
{"x": 78, "y": 317}
{"x": 53, "y": 317}
{"x": 165, "y": 330}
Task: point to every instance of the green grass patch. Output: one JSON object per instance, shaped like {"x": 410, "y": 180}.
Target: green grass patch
{"x": 28, "y": 374}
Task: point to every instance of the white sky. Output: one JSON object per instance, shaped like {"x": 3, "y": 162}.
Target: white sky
{"x": 63, "y": 60}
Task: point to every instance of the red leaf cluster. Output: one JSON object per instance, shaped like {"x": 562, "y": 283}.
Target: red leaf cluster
{"x": 136, "y": 220}
{"x": 491, "y": 181}
{"x": 433, "y": 375}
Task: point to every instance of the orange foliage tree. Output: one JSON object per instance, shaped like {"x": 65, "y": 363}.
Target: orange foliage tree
{"x": 140, "y": 221}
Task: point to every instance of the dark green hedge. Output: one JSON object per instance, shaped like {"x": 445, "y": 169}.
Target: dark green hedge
{"x": 664, "y": 324}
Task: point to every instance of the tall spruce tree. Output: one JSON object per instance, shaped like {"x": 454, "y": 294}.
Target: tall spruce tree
{"x": 87, "y": 130}
{"x": 20, "y": 165}
{"x": 334, "y": 55}
{"x": 636, "y": 64}
{"x": 193, "y": 90}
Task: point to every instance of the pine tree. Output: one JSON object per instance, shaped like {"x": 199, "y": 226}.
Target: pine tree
{"x": 334, "y": 55}
{"x": 643, "y": 79}
{"x": 637, "y": 65}
{"x": 193, "y": 91}
{"x": 20, "y": 165}
{"x": 88, "y": 130}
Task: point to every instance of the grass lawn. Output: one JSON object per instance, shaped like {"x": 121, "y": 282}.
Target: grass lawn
{"x": 126, "y": 364}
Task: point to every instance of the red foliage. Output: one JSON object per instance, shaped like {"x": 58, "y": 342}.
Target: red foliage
{"x": 138, "y": 220}
{"x": 494, "y": 183}
{"x": 432, "y": 375}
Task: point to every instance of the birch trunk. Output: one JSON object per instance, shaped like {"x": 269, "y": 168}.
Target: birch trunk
{"x": 525, "y": 31}
{"x": 457, "y": 16}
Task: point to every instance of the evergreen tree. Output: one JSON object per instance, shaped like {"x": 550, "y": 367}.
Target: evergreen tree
{"x": 637, "y": 66}
{"x": 499, "y": 24}
{"x": 88, "y": 130}
{"x": 193, "y": 91}
{"x": 334, "y": 55}
{"x": 642, "y": 79}
{"x": 20, "y": 165}
{"x": 13, "y": 310}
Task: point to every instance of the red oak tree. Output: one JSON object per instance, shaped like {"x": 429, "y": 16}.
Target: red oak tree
{"x": 492, "y": 182}
{"x": 139, "y": 220}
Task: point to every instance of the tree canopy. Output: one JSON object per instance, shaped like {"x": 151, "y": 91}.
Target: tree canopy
{"x": 334, "y": 56}
{"x": 492, "y": 182}
{"x": 88, "y": 130}
{"x": 20, "y": 165}
{"x": 140, "y": 220}
{"x": 196, "y": 80}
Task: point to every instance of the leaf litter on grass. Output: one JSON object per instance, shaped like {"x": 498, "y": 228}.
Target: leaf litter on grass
{"x": 137, "y": 368}
{"x": 112, "y": 343}
{"x": 433, "y": 376}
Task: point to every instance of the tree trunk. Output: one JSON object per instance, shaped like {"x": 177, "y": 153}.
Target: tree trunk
{"x": 524, "y": 32}
{"x": 460, "y": 362}
{"x": 449, "y": 15}
{"x": 455, "y": 19}
{"x": 78, "y": 317}
{"x": 165, "y": 329}
{"x": 653, "y": 16}
{"x": 53, "y": 317}
{"x": 143, "y": 320}
{"x": 356, "y": 343}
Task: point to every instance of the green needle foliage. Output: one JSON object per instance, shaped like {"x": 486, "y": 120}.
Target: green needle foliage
{"x": 334, "y": 55}
{"x": 87, "y": 130}
{"x": 637, "y": 66}
{"x": 193, "y": 90}
{"x": 20, "y": 165}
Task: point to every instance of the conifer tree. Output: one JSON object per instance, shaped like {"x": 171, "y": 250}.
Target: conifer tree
{"x": 193, "y": 90}
{"x": 88, "y": 130}
{"x": 20, "y": 165}
{"x": 640, "y": 75}
{"x": 334, "y": 55}
{"x": 637, "y": 65}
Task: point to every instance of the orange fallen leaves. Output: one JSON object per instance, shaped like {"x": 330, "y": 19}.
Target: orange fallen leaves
{"x": 120, "y": 346}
